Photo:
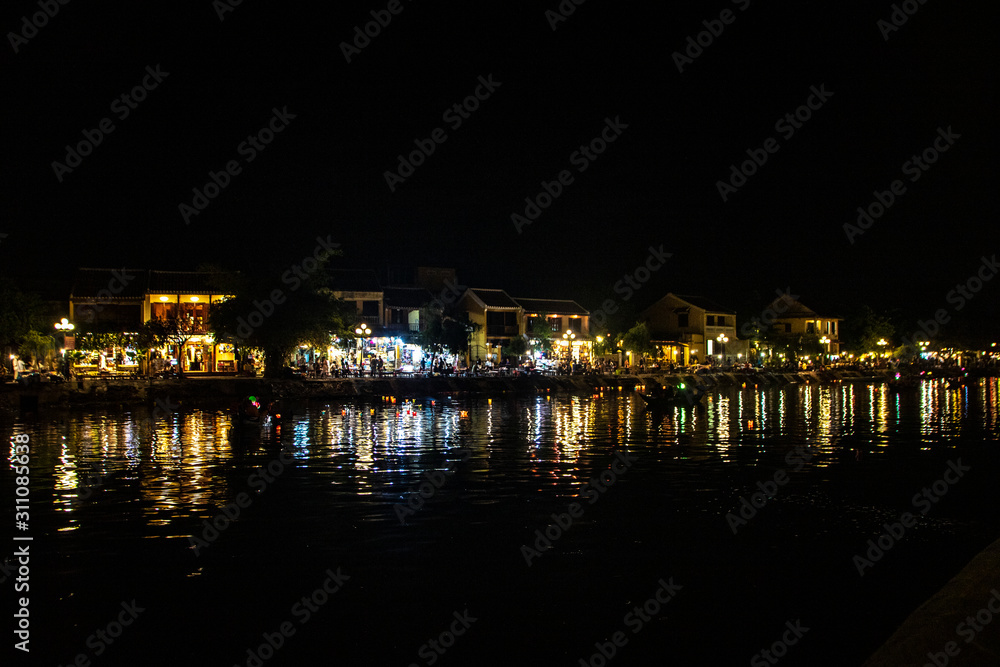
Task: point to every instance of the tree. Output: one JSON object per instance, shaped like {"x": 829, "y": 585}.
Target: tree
{"x": 540, "y": 333}
{"x": 277, "y": 306}
{"x": 866, "y": 328}
{"x": 306, "y": 316}
{"x": 517, "y": 347}
{"x": 639, "y": 340}
{"x": 20, "y": 313}
{"x": 37, "y": 345}
{"x": 447, "y": 330}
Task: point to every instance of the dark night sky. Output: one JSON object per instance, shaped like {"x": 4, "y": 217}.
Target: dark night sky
{"x": 655, "y": 185}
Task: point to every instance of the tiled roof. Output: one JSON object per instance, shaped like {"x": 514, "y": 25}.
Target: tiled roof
{"x": 494, "y": 298}
{"x": 182, "y": 282}
{"x": 121, "y": 283}
{"x": 787, "y": 307}
{"x": 347, "y": 280}
{"x": 406, "y": 297}
{"x": 552, "y": 306}
{"x": 705, "y": 304}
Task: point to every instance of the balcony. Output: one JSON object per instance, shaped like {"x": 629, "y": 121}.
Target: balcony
{"x": 501, "y": 330}
{"x": 403, "y": 326}
{"x": 370, "y": 320}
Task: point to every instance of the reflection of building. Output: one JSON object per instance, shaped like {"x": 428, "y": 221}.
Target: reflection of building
{"x": 567, "y": 323}
{"x": 687, "y": 329}
{"x": 793, "y": 319}
{"x": 111, "y": 300}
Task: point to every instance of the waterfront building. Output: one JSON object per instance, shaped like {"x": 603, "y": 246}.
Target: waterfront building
{"x": 122, "y": 300}
{"x": 567, "y": 323}
{"x": 791, "y": 318}
{"x": 692, "y": 329}
{"x": 499, "y": 317}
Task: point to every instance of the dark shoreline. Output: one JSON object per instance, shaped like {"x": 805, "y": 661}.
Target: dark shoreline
{"x": 102, "y": 392}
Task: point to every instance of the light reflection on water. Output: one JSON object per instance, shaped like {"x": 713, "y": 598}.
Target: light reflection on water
{"x": 183, "y": 466}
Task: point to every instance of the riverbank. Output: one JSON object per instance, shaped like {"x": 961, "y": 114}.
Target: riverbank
{"x": 949, "y": 627}
{"x": 17, "y": 399}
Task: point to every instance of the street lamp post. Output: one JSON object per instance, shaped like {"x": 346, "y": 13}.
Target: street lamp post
{"x": 361, "y": 330}
{"x": 722, "y": 339}
{"x": 568, "y": 339}
{"x": 825, "y": 341}
{"x": 64, "y": 326}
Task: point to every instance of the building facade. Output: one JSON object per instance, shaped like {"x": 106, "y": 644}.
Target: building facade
{"x": 692, "y": 329}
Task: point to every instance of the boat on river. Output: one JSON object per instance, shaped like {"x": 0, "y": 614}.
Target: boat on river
{"x": 901, "y": 382}
{"x": 684, "y": 398}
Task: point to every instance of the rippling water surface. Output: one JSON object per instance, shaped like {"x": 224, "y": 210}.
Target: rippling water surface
{"x": 117, "y": 496}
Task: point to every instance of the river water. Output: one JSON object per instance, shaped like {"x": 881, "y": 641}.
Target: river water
{"x": 656, "y": 556}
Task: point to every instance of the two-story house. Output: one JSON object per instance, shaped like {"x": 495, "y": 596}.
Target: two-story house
{"x": 499, "y": 318}
{"x": 566, "y": 321}
{"x": 689, "y": 329}
{"x": 122, "y": 300}
{"x": 362, "y": 288}
{"x": 789, "y": 317}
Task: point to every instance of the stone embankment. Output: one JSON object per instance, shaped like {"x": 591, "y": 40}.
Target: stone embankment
{"x": 209, "y": 390}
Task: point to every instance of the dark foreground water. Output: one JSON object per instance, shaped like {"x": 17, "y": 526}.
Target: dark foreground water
{"x": 652, "y": 557}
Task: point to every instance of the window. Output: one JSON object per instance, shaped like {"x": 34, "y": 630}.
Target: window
{"x": 833, "y": 327}
{"x": 556, "y": 324}
{"x": 788, "y": 328}
{"x": 576, "y": 325}
{"x": 164, "y": 311}
{"x": 810, "y": 327}
{"x": 722, "y": 320}
{"x": 369, "y": 308}
{"x": 710, "y": 320}
{"x": 682, "y": 319}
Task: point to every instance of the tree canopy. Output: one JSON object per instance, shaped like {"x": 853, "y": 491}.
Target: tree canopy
{"x": 276, "y": 310}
